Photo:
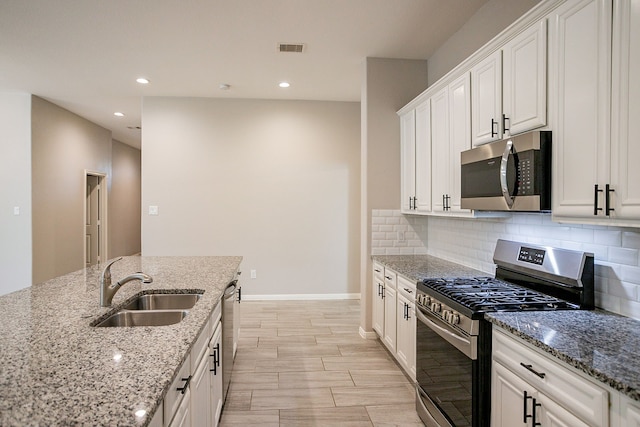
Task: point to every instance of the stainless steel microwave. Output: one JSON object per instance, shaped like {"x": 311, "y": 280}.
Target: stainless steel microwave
{"x": 509, "y": 175}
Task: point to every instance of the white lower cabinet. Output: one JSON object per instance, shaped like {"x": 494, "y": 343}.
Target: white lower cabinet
{"x": 215, "y": 372}
{"x": 394, "y": 315}
{"x": 406, "y": 326}
{"x": 194, "y": 398}
{"x": 377, "y": 293}
{"x": 529, "y": 387}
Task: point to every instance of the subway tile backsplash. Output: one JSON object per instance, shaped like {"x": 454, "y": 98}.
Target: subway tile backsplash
{"x": 471, "y": 242}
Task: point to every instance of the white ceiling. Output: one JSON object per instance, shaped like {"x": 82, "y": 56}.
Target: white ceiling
{"x": 85, "y": 55}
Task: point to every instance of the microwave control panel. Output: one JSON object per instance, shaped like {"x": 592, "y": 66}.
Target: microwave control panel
{"x": 526, "y": 175}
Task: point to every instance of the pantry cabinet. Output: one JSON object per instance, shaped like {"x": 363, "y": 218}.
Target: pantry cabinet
{"x": 510, "y": 87}
{"x": 595, "y": 100}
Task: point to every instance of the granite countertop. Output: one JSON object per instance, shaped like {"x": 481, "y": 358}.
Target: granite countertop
{"x": 56, "y": 369}
{"x": 419, "y": 267}
{"x": 601, "y": 344}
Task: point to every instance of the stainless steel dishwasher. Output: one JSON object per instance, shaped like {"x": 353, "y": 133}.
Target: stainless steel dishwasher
{"x": 227, "y": 335}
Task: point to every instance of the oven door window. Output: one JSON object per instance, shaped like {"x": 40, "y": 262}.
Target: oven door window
{"x": 445, "y": 374}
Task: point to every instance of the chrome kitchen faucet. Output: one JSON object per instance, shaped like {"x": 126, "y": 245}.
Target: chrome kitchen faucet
{"x": 107, "y": 291}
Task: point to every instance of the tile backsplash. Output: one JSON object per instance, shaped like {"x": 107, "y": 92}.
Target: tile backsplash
{"x": 471, "y": 242}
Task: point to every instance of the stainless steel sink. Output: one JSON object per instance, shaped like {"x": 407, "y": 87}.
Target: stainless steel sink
{"x": 163, "y": 302}
{"x": 144, "y": 318}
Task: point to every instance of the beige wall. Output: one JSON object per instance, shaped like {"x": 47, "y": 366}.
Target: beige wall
{"x": 277, "y": 182}
{"x": 388, "y": 84}
{"x": 486, "y": 23}
{"x": 124, "y": 200}
{"x": 15, "y": 191}
{"x": 63, "y": 146}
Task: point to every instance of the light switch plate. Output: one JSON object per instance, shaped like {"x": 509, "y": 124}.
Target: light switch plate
{"x": 16, "y": 210}
{"x": 153, "y": 210}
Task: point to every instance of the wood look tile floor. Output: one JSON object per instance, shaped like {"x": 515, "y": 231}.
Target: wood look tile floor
{"x": 303, "y": 363}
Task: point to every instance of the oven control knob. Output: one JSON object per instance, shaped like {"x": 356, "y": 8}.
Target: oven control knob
{"x": 436, "y": 307}
{"x": 427, "y": 300}
{"x": 445, "y": 315}
{"x": 419, "y": 298}
{"x": 455, "y": 319}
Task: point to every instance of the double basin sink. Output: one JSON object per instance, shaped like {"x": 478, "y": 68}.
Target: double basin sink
{"x": 153, "y": 310}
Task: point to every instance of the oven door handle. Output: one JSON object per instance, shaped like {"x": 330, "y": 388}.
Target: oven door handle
{"x": 503, "y": 174}
{"x": 466, "y": 345}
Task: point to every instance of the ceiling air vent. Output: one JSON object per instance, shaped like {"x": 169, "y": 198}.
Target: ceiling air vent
{"x": 291, "y": 47}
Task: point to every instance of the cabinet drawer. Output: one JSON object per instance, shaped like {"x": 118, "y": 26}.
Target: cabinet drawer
{"x": 406, "y": 288}
{"x": 174, "y": 396}
{"x": 390, "y": 278}
{"x": 577, "y": 394}
{"x": 378, "y": 271}
{"x": 201, "y": 346}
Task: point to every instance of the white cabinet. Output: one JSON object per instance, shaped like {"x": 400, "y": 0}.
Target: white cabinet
{"x": 528, "y": 386}
{"x": 195, "y": 396}
{"x": 625, "y": 137}
{"x": 406, "y": 326}
{"x": 215, "y": 375}
{"x": 596, "y": 102}
{"x": 378, "y": 299}
{"x": 580, "y": 81}
{"x": 629, "y": 412}
{"x": 415, "y": 140}
{"x": 390, "y": 310}
{"x": 236, "y": 316}
{"x": 450, "y": 135}
{"x": 510, "y": 87}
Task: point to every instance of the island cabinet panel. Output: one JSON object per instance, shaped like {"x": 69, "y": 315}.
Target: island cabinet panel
{"x": 377, "y": 293}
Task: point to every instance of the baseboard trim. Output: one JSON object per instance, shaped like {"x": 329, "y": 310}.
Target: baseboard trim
{"x": 298, "y": 297}
{"x": 368, "y": 335}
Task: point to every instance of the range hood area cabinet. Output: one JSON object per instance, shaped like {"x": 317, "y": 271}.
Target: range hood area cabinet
{"x": 509, "y": 88}
{"x": 595, "y": 99}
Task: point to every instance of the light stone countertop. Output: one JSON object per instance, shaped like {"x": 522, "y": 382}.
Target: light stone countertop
{"x": 56, "y": 369}
{"x": 419, "y": 267}
{"x": 601, "y": 344}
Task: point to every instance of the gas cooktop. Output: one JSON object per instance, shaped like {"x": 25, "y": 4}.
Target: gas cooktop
{"x": 481, "y": 294}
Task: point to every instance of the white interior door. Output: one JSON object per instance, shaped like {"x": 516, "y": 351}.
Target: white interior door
{"x": 92, "y": 221}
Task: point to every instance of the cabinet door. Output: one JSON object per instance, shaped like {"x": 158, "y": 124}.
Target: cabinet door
{"x": 408, "y": 154}
{"x": 422, "y": 193}
{"x": 550, "y": 414}
{"x": 182, "y": 416}
{"x": 377, "y": 292}
{"x": 390, "y": 318}
{"x": 507, "y": 398}
{"x": 459, "y": 135}
{"x": 440, "y": 162}
{"x": 630, "y": 412}
{"x": 580, "y": 80}
{"x": 200, "y": 393}
{"x": 215, "y": 374}
{"x": 486, "y": 83}
{"x": 625, "y": 140}
{"x": 524, "y": 80}
{"x": 406, "y": 339}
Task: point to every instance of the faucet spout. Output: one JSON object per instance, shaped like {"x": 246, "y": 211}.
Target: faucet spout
{"x": 107, "y": 291}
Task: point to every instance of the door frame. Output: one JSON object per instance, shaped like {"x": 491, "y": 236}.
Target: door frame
{"x": 103, "y": 215}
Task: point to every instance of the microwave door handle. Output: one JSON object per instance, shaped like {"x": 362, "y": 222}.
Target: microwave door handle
{"x": 503, "y": 174}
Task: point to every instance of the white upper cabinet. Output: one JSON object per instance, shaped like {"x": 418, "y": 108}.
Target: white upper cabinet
{"x": 625, "y": 114}
{"x": 415, "y": 140}
{"x": 524, "y": 80}
{"x": 408, "y": 159}
{"x": 579, "y": 73}
{"x": 595, "y": 100}
{"x": 486, "y": 84}
{"x": 510, "y": 87}
{"x": 459, "y": 135}
{"x": 440, "y": 149}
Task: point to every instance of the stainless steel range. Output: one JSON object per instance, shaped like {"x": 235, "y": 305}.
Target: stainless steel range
{"x": 453, "y": 348}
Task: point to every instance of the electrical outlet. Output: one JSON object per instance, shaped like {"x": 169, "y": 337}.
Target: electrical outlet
{"x": 400, "y": 236}
{"x": 153, "y": 210}
{"x": 16, "y": 210}
{"x": 253, "y": 274}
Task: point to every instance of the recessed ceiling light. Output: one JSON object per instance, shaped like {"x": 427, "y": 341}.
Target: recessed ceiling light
{"x": 284, "y": 84}
{"x": 142, "y": 80}
{"x": 118, "y": 114}
{"x": 224, "y": 86}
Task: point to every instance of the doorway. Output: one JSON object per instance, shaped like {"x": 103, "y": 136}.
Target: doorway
{"x": 95, "y": 223}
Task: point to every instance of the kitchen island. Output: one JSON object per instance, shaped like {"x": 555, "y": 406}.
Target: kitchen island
{"x": 58, "y": 369}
